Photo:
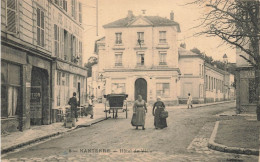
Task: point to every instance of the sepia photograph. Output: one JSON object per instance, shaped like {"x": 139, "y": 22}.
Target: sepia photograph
{"x": 130, "y": 80}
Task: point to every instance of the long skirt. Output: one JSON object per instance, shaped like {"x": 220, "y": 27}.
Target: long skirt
{"x": 140, "y": 116}
{"x": 158, "y": 121}
{"x": 89, "y": 110}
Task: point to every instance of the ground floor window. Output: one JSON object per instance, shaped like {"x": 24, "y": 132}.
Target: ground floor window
{"x": 10, "y": 89}
{"x": 252, "y": 90}
{"x": 163, "y": 89}
{"x": 63, "y": 89}
{"x": 118, "y": 88}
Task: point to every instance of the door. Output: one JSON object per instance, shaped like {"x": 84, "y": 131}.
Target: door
{"x": 141, "y": 88}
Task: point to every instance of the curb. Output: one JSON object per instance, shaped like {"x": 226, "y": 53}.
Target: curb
{"x": 12, "y": 148}
{"x": 222, "y": 148}
{"x": 215, "y": 103}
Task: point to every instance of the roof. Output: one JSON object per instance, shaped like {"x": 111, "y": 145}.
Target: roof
{"x": 154, "y": 21}
{"x": 184, "y": 52}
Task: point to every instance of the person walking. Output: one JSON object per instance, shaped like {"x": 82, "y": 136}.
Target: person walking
{"x": 158, "y": 107}
{"x": 189, "y": 101}
{"x": 140, "y": 109}
{"x": 73, "y": 106}
{"x": 90, "y": 107}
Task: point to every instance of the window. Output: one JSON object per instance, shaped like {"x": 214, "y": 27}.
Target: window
{"x": 118, "y": 38}
{"x": 57, "y": 2}
{"x": 200, "y": 69}
{"x": 80, "y": 51}
{"x": 10, "y": 89}
{"x": 11, "y": 8}
{"x": 58, "y": 78}
{"x": 252, "y": 90}
{"x": 163, "y": 89}
{"x": 207, "y": 83}
{"x": 80, "y": 12}
{"x": 118, "y": 59}
{"x": 73, "y": 49}
{"x": 64, "y": 5}
{"x": 162, "y": 36}
{"x": 73, "y": 9}
{"x": 40, "y": 27}
{"x": 118, "y": 88}
{"x": 140, "y": 37}
{"x": 56, "y": 40}
{"x": 66, "y": 45}
{"x": 140, "y": 58}
{"x": 162, "y": 56}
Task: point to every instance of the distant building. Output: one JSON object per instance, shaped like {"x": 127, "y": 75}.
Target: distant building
{"x": 206, "y": 83}
{"x": 41, "y": 60}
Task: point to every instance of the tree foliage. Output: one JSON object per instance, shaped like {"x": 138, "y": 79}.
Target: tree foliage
{"x": 91, "y": 61}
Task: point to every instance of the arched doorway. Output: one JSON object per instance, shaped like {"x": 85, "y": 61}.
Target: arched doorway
{"x": 141, "y": 88}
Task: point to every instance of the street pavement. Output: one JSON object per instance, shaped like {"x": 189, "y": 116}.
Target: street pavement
{"x": 185, "y": 139}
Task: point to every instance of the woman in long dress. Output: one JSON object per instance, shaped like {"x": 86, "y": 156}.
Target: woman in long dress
{"x": 158, "y": 107}
{"x": 140, "y": 109}
{"x": 189, "y": 101}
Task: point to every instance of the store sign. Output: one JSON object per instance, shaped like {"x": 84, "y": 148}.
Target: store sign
{"x": 36, "y": 95}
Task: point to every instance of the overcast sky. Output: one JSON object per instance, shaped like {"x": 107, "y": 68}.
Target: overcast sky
{"x": 186, "y": 16}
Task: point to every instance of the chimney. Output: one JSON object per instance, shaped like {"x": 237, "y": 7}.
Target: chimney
{"x": 130, "y": 14}
{"x": 172, "y": 16}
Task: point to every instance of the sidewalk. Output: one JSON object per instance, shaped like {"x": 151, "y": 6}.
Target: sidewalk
{"x": 12, "y": 141}
{"x": 239, "y": 135}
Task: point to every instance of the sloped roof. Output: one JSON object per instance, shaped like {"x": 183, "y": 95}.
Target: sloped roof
{"x": 155, "y": 20}
{"x": 184, "y": 52}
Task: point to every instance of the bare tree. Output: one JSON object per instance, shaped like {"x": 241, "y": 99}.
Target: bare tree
{"x": 237, "y": 23}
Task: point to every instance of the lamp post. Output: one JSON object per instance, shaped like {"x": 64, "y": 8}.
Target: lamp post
{"x": 225, "y": 60}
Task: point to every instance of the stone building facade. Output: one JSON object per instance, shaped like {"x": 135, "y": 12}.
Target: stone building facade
{"x": 33, "y": 46}
{"x": 139, "y": 56}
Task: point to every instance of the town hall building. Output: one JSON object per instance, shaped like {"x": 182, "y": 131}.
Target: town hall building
{"x": 139, "y": 56}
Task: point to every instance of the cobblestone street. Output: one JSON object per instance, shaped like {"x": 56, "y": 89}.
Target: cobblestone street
{"x": 185, "y": 139}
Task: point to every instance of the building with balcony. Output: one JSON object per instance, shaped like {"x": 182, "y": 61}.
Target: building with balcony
{"x": 139, "y": 56}
{"x": 41, "y": 61}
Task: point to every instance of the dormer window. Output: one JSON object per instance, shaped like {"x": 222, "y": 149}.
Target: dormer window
{"x": 118, "y": 38}
{"x": 162, "y": 37}
{"x": 140, "y": 37}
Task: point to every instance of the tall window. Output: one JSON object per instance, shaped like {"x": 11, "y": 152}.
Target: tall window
{"x": 80, "y": 12}
{"x": 162, "y": 56}
{"x": 10, "y": 89}
{"x": 66, "y": 45}
{"x": 200, "y": 69}
{"x": 11, "y": 7}
{"x": 118, "y": 88}
{"x": 140, "y": 58}
{"x": 73, "y": 8}
{"x": 65, "y": 5}
{"x": 40, "y": 27}
{"x": 118, "y": 59}
{"x": 140, "y": 37}
{"x": 118, "y": 38}
{"x": 162, "y": 36}
{"x": 207, "y": 86}
{"x": 163, "y": 89}
{"x": 252, "y": 90}
{"x": 56, "y": 40}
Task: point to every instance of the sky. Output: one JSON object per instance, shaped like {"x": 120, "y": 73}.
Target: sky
{"x": 188, "y": 16}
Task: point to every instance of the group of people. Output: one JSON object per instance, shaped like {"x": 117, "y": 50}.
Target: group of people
{"x": 140, "y": 110}
{"x": 73, "y": 102}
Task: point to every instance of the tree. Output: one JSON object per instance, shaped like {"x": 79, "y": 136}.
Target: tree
{"x": 91, "y": 61}
{"x": 236, "y": 23}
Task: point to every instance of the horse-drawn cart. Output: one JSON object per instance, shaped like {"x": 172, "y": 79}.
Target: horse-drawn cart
{"x": 114, "y": 103}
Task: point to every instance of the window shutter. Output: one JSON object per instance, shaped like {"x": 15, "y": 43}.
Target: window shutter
{"x": 11, "y": 16}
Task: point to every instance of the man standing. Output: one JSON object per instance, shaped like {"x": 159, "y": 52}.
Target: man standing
{"x": 74, "y": 103}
